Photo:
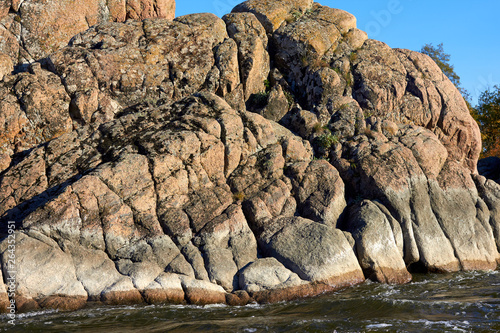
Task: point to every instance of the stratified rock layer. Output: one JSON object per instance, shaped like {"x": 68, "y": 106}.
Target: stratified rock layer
{"x": 272, "y": 154}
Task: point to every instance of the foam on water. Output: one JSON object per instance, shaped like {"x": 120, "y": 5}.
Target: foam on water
{"x": 382, "y": 325}
{"x": 453, "y": 324}
{"x": 460, "y": 302}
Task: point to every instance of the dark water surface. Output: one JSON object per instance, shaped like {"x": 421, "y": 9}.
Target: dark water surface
{"x": 463, "y": 302}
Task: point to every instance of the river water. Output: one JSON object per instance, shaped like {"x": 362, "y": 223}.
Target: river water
{"x": 461, "y": 302}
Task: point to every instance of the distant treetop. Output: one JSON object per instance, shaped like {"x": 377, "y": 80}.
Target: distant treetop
{"x": 442, "y": 59}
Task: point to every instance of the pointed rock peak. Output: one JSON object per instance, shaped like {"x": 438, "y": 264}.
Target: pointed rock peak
{"x": 273, "y": 13}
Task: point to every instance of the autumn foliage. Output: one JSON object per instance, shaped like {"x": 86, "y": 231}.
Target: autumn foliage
{"x": 487, "y": 114}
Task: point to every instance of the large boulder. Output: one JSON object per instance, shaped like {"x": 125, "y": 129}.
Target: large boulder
{"x": 379, "y": 243}
{"x": 44, "y": 274}
{"x": 315, "y": 252}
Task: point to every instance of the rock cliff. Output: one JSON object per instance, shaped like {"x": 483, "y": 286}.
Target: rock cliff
{"x": 272, "y": 154}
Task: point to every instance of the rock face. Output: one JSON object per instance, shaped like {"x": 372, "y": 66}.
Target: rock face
{"x": 272, "y": 154}
{"x": 33, "y": 29}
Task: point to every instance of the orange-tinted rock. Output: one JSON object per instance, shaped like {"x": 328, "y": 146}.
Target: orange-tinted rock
{"x": 238, "y": 298}
{"x": 34, "y": 109}
{"x": 122, "y": 297}
{"x": 307, "y": 290}
{"x": 273, "y": 13}
{"x": 45, "y": 26}
{"x": 6, "y": 65}
{"x": 26, "y": 304}
{"x": 200, "y": 292}
{"x": 167, "y": 288}
{"x": 9, "y": 45}
{"x": 161, "y": 296}
{"x": 63, "y": 303}
{"x": 137, "y": 167}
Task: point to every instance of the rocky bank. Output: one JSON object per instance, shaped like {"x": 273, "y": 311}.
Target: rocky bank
{"x": 272, "y": 154}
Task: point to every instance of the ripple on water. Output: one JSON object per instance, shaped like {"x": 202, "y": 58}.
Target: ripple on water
{"x": 462, "y": 302}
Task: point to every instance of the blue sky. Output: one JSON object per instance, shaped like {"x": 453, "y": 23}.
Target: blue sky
{"x": 469, "y": 30}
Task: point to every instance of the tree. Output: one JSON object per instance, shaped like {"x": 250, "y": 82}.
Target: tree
{"x": 442, "y": 59}
{"x": 488, "y": 117}
{"x": 487, "y": 113}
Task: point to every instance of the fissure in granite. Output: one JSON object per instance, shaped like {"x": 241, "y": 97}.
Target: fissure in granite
{"x": 272, "y": 154}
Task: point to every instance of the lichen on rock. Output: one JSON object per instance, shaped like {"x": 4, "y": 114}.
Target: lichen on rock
{"x": 272, "y": 154}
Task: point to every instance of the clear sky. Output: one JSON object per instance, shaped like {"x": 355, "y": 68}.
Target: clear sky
{"x": 469, "y": 30}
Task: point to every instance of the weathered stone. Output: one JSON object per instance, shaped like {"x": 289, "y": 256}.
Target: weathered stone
{"x": 451, "y": 120}
{"x": 94, "y": 270}
{"x": 131, "y": 180}
{"x": 166, "y": 288}
{"x": 65, "y": 226}
{"x": 142, "y": 9}
{"x": 428, "y": 151}
{"x": 164, "y": 249}
{"x": 273, "y": 14}
{"x": 316, "y": 253}
{"x": 200, "y": 292}
{"x": 376, "y": 246}
{"x": 382, "y": 84}
{"x": 238, "y": 298}
{"x": 206, "y": 205}
{"x": 4, "y": 7}
{"x": 228, "y": 245}
{"x": 277, "y": 105}
{"x": 194, "y": 257}
{"x": 297, "y": 150}
{"x": 38, "y": 92}
{"x": 221, "y": 267}
{"x": 43, "y": 270}
{"x": 130, "y": 153}
{"x": 356, "y": 38}
{"x": 490, "y": 193}
{"x": 107, "y": 222}
{"x": 226, "y": 60}
{"x": 141, "y": 273}
{"x": 4, "y": 299}
{"x": 455, "y": 198}
{"x": 320, "y": 193}
{"x": 179, "y": 265}
{"x": 267, "y": 273}
{"x": 6, "y": 65}
{"x": 246, "y": 23}
{"x": 253, "y": 62}
{"x": 176, "y": 224}
{"x": 39, "y": 38}
{"x": 303, "y": 122}
{"x": 121, "y": 292}
{"x": 112, "y": 60}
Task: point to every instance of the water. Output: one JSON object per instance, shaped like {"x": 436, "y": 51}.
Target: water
{"x": 462, "y": 302}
